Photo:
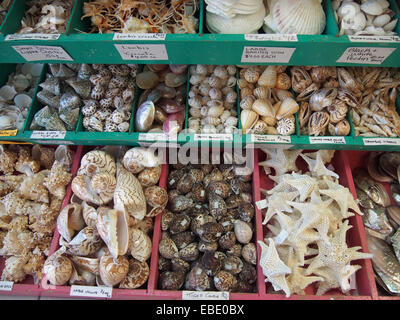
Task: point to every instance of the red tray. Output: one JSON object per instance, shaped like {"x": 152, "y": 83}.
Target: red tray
{"x": 358, "y": 159}
{"x": 27, "y": 287}
{"x": 355, "y": 236}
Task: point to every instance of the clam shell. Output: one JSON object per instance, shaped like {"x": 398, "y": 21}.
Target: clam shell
{"x": 113, "y": 270}
{"x": 139, "y": 244}
{"x": 137, "y": 275}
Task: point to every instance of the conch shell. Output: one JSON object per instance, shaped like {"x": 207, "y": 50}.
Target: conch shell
{"x": 128, "y": 195}
{"x": 97, "y": 161}
{"x": 139, "y": 244}
{"x": 113, "y": 229}
{"x": 58, "y": 268}
{"x": 113, "y": 271}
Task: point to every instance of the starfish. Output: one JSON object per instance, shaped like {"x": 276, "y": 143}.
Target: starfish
{"x": 281, "y": 161}
{"x": 317, "y": 167}
{"x": 273, "y": 267}
{"x": 297, "y": 280}
{"x": 343, "y": 198}
{"x": 304, "y": 184}
{"x": 278, "y": 203}
{"x": 331, "y": 282}
{"x": 326, "y": 155}
{"x": 335, "y": 255}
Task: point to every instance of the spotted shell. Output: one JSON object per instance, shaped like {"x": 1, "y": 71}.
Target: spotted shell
{"x": 224, "y": 281}
{"x": 249, "y": 253}
{"x": 167, "y": 248}
{"x": 197, "y": 279}
{"x": 137, "y": 275}
{"x": 149, "y": 176}
{"x": 172, "y": 280}
{"x": 139, "y": 244}
{"x": 286, "y": 126}
{"x": 113, "y": 270}
{"x": 97, "y": 161}
{"x": 156, "y": 196}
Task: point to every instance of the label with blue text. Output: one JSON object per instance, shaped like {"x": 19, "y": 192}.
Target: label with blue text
{"x": 90, "y": 291}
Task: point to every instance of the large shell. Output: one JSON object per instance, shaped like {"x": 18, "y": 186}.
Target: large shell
{"x": 97, "y": 161}
{"x": 88, "y": 264}
{"x": 57, "y": 268}
{"x": 113, "y": 229}
{"x": 129, "y": 196}
{"x": 86, "y": 242}
{"x": 136, "y": 159}
{"x": 139, "y": 244}
{"x": 150, "y": 176}
{"x": 70, "y": 220}
{"x": 137, "y": 275}
{"x": 104, "y": 185}
{"x": 82, "y": 187}
{"x": 113, "y": 271}
{"x": 248, "y": 119}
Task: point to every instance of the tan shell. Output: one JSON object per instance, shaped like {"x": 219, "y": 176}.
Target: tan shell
{"x": 136, "y": 159}
{"x": 247, "y": 102}
{"x": 137, "y": 275}
{"x": 150, "y": 176}
{"x": 318, "y": 123}
{"x": 270, "y": 121}
{"x": 156, "y": 196}
{"x": 286, "y": 126}
{"x": 86, "y": 242}
{"x": 64, "y": 155}
{"x": 268, "y": 77}
{"x": 129, "y": 196}
{"x": 251, "y": 75}
{"x": 282, "y": 94}
{"x": 113, "y": 271}
{"x": 82, "y": 277}
{"x": 57, "y": 268}
{"x": 243, "y": 231}
{"x": 57, "y": 180}
{"x": 88, "y": 264}
{"x": 32, "y": 187}
{"x": 89, "y": 214}
{"x": 113, "y": 229}
{"x": 260, "y": 127}
{"x": 264, "y": 108}
{"x": 283, "y": 81}
{"x": 339, "y": 129}
{"x": 287, "y": 108}
{"x": 44, "y": 155}
{"x": 70, "y": 220}
{"x": 139, "y": 244}
{"x": 97, "y": 161}
{"x": 248, "y": 119}
{"x": 104, "y": 185}
{"x": 82, "y": 187}
{"x": 337, "y": 110}
{"x": 245, "y": 92}
{"x": 304, "y": 113}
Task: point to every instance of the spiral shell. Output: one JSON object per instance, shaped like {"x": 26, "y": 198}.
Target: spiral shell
{"x": 139, "y": 244}
{"x": 97, "y": 161}
{"x": 57, "y": 268}
{"x": 70, "y": 220}
{"x": 137, "y": 275}
{"x": 86, "y": 242}
{"x": 113, "y": 271}
{"x": 136, "y": 159}
{"x": 149, "y": 176}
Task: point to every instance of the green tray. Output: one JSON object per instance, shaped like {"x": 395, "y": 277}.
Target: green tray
{"x": 203, "y": 47}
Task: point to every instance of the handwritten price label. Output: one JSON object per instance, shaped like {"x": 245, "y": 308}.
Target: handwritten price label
{"x": 213, "y": 137}
{"x": 89, "y": 291}
{"x": 267, "y": 54}
{"x": 32, "y": 36}
{"x": 270, "y": 138}
{"x": 365, "y": 55}
{"x": 142, "y": 51}
{"x": 381, "y": 141}
{"x": 156, "y": 137}
{"x": 374, "y": 38}
{"x": 206, "y": 295}
{"x": 48, "y": 135}
{"x": 36, "y": 53}
{"x": 139, "y": 36}
{"x": 327, "y": 140}
{"x": 6, "y": 285}
{"x": 271, "y": 37}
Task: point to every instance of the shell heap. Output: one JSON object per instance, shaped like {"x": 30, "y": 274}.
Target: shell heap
{"x": 307, "y": 224}
{"x": 105, "y": 229}
{"x": 32, "y": 190}
{"x": 4, "y": 6}
{"x": 46, "y": 16}
{"x": 162, "y": 103}
{"x": 267, "y": 105}
{"x": 16, "y": 95}
{"x": 207, "y": 239}
{"x": 128, "y": 16}
{"x": 368, "y": 17}
{"x": 212, "y": 99}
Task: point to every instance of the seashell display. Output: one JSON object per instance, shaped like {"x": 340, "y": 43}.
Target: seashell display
{"x": 113, "y": 270}
{"x": 58, "y": 268}
{"x": 137, "y": 275}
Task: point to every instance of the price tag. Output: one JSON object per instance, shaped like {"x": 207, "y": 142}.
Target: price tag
{"x": 155, "y": 136}
{"x": 139, "y": 36}
{"x": 8, "y": 133}
{"x": 262, "y": 204}
{"x": 262, "y": 138}
{"x": 90, "y": 291}
{"x": 32, "y": 36}
{"x": 281, "y": 237}
{"x": 205, "y": 295}
{"x": 142, "y": 51}
{"x": 213, "y": 136}
{"x": 381, "y": 141}
{"x": 36, "y": 53}
{"x": 6, "y": 285}
{"x": 53, "y": 142}
{"x": 48, "y": 135}
{"x": 267, "y": 54}
{"x": 374, "y": 38}
{"x": 271, "y": 37}
{"x": 327, "y": 140}
{"x": 365, "y": 55}
{"x": 353, "y": 282}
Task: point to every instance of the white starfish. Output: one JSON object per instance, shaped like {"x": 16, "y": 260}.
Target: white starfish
{"x": 317, "y": 167}
{"x": 326, "y": 155}
{"x": 274, "y": 269}
{"x": 304, "y": 184}
{"x": 278, "y": 203}
{"x": 280, "y": 160}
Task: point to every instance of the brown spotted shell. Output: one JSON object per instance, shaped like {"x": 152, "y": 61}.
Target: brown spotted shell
{"x": 178, "y": 264}
{"x": 235, "y": 250}
{"x": 227, "y": 223}
{"x": 227, "y": 240}
{"x": 166, "y": 219}
{"x": 220, "y": 188}
{"x": 216, "y": 206}
{"x": 249, "y": 253}
{"x": 198, "y": 192}
{"x": 180, "y": 203}
{"x": 139, "y": 244}
{"x": 113, "y": 271}
{"x": 180, "y": 223}
{"x": 199, "y": 220}
{"x": 171, "y": 280}
{"x": 182, "y": 239}
{"x": 137, "y": 275}
{"x": 246, "y": 211}
{"x": 210, "y": 231}
{"x": 149, "y": 176}
{"x": 233, "y": 201}
{"x": 174, "y": 177}
{"x": 189, "y": 253}
{"x": 164, "y": 264}
{"x": 197, "y": 279}
{"x": 207, "y": 246}
{"x": 167, "y": 248}
{"x": 185, "y": 184}
{"x": 248, "y": 273}
{"x": 156, "y": 196}
{"x": 233, "y": 264}
{"x": 211, "y": 262}
{"x": 224, "y": 281}
{"x": 197, "y": 175}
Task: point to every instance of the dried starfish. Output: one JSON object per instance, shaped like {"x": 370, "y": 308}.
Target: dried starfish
{"x": 317, "y": 167}
{"x": 304, "y": 184}
{"x": 278, "y": 203}
{"x": 281, "y": 160}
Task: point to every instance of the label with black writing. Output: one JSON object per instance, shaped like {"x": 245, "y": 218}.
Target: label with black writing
{"x": 270, "y": 138}
{"x": 381, "y": 141}
{"x": 48, "y": 135}
{"x": 267, "y": 54}
{"x": 37, "y": 53}
{"x": 139, "y": 36}
{"x": 142, "y": 51}
{"x": 374, "y": 38}
{"x": 327, "y": 140}
{"x": 32, "y": 36}
{"x": 90, "y": 291}
{"x": 213, "y": 136}
{"x": 205, "y": 295}
{"x": 365, "y": 55}
{"x": 271, "y": 37}
{"x": 6, "y": 285}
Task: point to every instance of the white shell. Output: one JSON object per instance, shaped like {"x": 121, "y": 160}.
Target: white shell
{"x": 22, "y": 101}
{"x": 136, "y": 159}
{"x": 7, "y": 93}
{"x": 139, "y": 244}
{"x": 372, "y": 7}
{"x": 230, "y": 8}
{"x": 381, "y": 20}
{"x": 35, "y": 69}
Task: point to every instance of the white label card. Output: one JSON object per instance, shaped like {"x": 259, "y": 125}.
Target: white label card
{"x": 36, "y": 53}
{"x": 89, "y": 291}
{"x": 139, "y": 36}
{"x": 32, "y": 36}
{"x": 270, "y": 37}
{"x": 262, "y": 204}
{"x": 374, "y": 38}
{"x": 365, "y": 55}
{"x": 6, "y": 285}
{"x": 270, "y": 138}
{"x": 267, "y": 54}
{"x": 205, "y": 295}
{"x": 381, "y": 141}
{"x": 327, "y": 140}
{"x": 213, "y": 136}
{"x": 156, "y": 137}
{"x": 142, "y": 51}
{"x": 48, "y": 135}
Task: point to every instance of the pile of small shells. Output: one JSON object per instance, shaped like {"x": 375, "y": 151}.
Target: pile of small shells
{"x": 367, "y": 17}
{"x": 46, "y": 16}
{"x": 207, "y": 233}
{"x": 212, "y": 99}
{"x": 32, "y": 188}
{"x": 109, "y": 106}
{"x": 4, "y": 7}
{"x": 105, "y": 229}
{"x": 16, "y": 95}
{"x": 267, "y": 105}
{"x": 325, "y": 96}
{"x": 62, "y": 94}
{"x": 162, "y": 103}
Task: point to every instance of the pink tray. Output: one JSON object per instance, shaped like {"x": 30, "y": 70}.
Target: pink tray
{"x": 27, "y": 287}
{"x": 355, "y": 237}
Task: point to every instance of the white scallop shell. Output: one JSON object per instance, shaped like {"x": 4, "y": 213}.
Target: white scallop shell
{"x": 22, "y": 101}
{"x": 230, "y": 8}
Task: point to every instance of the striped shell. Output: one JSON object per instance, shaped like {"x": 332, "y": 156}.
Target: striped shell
{"x": 156, "y": 196}
{"x": 70, "y": 220}
{"x": 88, "y": 264}
{"x": 57, "y": 268}
{"x": 139, "y": 244}
{"x": 137, "y": 275}
{"x": 113, "y": 271}
{"x": 104, "y": 185}
{"x": 136, "y": 159}
{"x": 149, "y": 176}
{"x": 97, "y": 161}
{"x": 128, "y": 195}
{"x": 89, "y": 215}
{"x": 86, "y": 242}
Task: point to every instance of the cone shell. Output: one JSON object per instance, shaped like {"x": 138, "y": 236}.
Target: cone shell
{"x": 268, "y": 77}
{"x": 264, "y": 108}
{"x": 113, "y": 271}
{"x": 288, "y": 107}
{"x": 137, "y": 275}
{"x": 248, "y": 119}
{"x": 139, "y": 244}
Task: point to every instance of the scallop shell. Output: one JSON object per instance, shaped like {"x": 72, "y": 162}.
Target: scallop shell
{"x": 136, "y": 159}
{"x": 137, "y": 275}
{"x": 57, "y": 268}
{"x": 97, "y": 161}
{"x": 113, "y": 271}
{"x": 70, "y": 220}
{"x": 139, "y": 244}
{"x": 129, "y": 196}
